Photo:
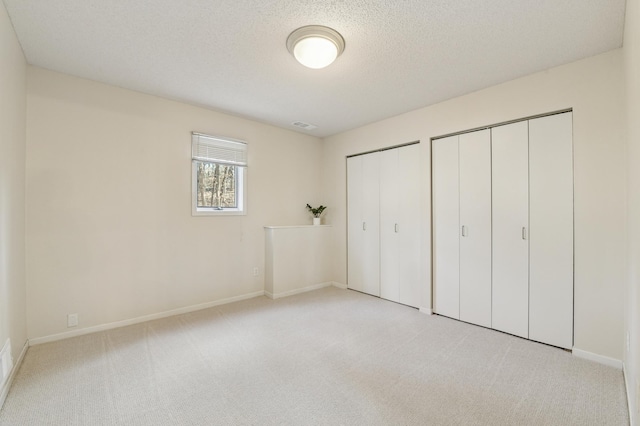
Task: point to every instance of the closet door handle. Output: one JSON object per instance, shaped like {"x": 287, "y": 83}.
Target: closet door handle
{"x": 464, "y": 231}
{"x": 396, "y": 228}
{"x": 524, "y": 233}
{"x": 364, "y": 226}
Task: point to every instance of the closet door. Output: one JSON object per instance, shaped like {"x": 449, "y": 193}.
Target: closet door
{"x": 355, "y": 236}
{"x": 408, "y": 229}
{"x": 446, "y": 227}
{"x": 475, "y": 227}
{"x": 389, "y": 217}
{"x": 551, "y": 222}
{"x": 510, "y": 223}
{"x": 400, "y": 225}
{"x": 363, "y": 205}
{"x": 371, "y": 222}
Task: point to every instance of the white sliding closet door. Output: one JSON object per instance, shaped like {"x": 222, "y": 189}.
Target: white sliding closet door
{"x": 363, "y": 204}
{"x": 389, "y": 217}
{"x": 446, "y": 231}
{"x": 475, "y": 227}
{"x": 408, "y": 229}
{"x": 551, "y": 222}
{"x": 510, "y": 228}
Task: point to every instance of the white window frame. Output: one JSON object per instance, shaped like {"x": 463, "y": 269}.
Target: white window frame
{"x": 221, "y": 156}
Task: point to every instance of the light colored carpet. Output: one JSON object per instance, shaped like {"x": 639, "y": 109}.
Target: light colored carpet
{"x": 328, "y": 357}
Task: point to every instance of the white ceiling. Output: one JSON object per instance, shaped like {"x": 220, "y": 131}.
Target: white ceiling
{"x": 231, "y": 55}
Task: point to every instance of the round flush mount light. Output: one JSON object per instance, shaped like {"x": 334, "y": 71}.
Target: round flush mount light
{"x": 315, "y": 46}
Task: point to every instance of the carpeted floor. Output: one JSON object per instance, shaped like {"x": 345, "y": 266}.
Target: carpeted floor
{"x": 328, "y": 357}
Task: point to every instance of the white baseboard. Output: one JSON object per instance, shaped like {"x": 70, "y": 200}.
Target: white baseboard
{"x": 427, "y": 311}
{"x": 339, "y": 285}
{"x": 16, "y": 366}
{"x": 628, "y": 389}
{"x": 600, "y": 359}
{"x": 299, "y": 290}
{"x": 124, "y": 323}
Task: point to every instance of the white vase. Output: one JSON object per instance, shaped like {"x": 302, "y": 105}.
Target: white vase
{"x": 316, "y": 221}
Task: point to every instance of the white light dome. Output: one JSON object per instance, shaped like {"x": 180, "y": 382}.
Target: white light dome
{"x": 315, "y": 46}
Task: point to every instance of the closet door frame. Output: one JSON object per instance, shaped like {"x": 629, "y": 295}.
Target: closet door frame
{"x": 367, "y": 215}
{"x": 544, "y": 331}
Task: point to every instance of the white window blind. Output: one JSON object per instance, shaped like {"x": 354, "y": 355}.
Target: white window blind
{"x": 218, "y": 150}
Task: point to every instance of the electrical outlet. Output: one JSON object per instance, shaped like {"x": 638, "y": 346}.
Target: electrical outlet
{"x": 72, "y": 320}
{"x": 255, "y": 272}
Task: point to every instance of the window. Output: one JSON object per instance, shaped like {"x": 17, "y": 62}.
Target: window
{"x": 219, "y": 168}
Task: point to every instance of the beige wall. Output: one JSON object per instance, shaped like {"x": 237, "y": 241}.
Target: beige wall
{"x": 632, "y": 69}
{"x": 110, "y": 234}
{"x": 594, "y": 89}
{"x": 12, "y": 187}
{"x": 109, "y": 230}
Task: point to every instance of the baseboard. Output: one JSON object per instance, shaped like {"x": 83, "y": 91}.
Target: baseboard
{"x": 600, "y": 359}
{"x": 339, "y": 285}
{"x": 427, "y": 311}
{"x": 16, "y": 366}
{"x": 124, "y": 323}
{"x": 628, "y": 389}
{"x": 298, "y": 290}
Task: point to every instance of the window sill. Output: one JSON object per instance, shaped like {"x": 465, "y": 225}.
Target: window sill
{"x": 227, "y": 212}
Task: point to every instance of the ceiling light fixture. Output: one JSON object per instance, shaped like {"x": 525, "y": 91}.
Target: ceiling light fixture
{"x": 315, "y": 46}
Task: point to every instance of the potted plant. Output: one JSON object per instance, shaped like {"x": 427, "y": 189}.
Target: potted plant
{"x": 316, "y": 212}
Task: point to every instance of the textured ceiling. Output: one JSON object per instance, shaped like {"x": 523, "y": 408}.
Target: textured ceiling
{"x": 231, "y": 55}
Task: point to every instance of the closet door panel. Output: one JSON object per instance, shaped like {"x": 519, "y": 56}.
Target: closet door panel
{"x": 371, "y": 223}
{"x": 389, "y": 216}
{"x": 355, "y": 236}
{"x": 475, "y": 221}
{"x": 408, "y": 231}
{"x": 446, "y": 244}
{"x": 510, "y": 260}
{"x": 551, "y": 222}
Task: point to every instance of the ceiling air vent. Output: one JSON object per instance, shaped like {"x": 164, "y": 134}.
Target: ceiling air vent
{"x": 303, "y": 125}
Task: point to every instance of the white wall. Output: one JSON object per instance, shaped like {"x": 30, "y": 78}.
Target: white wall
{"x": 12, "y": 187}
{"x": 297, "y": 259}
{"x": 110, "y": 234}
{"x": 632, "y": 326}
{"x": 594, "y": 89}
